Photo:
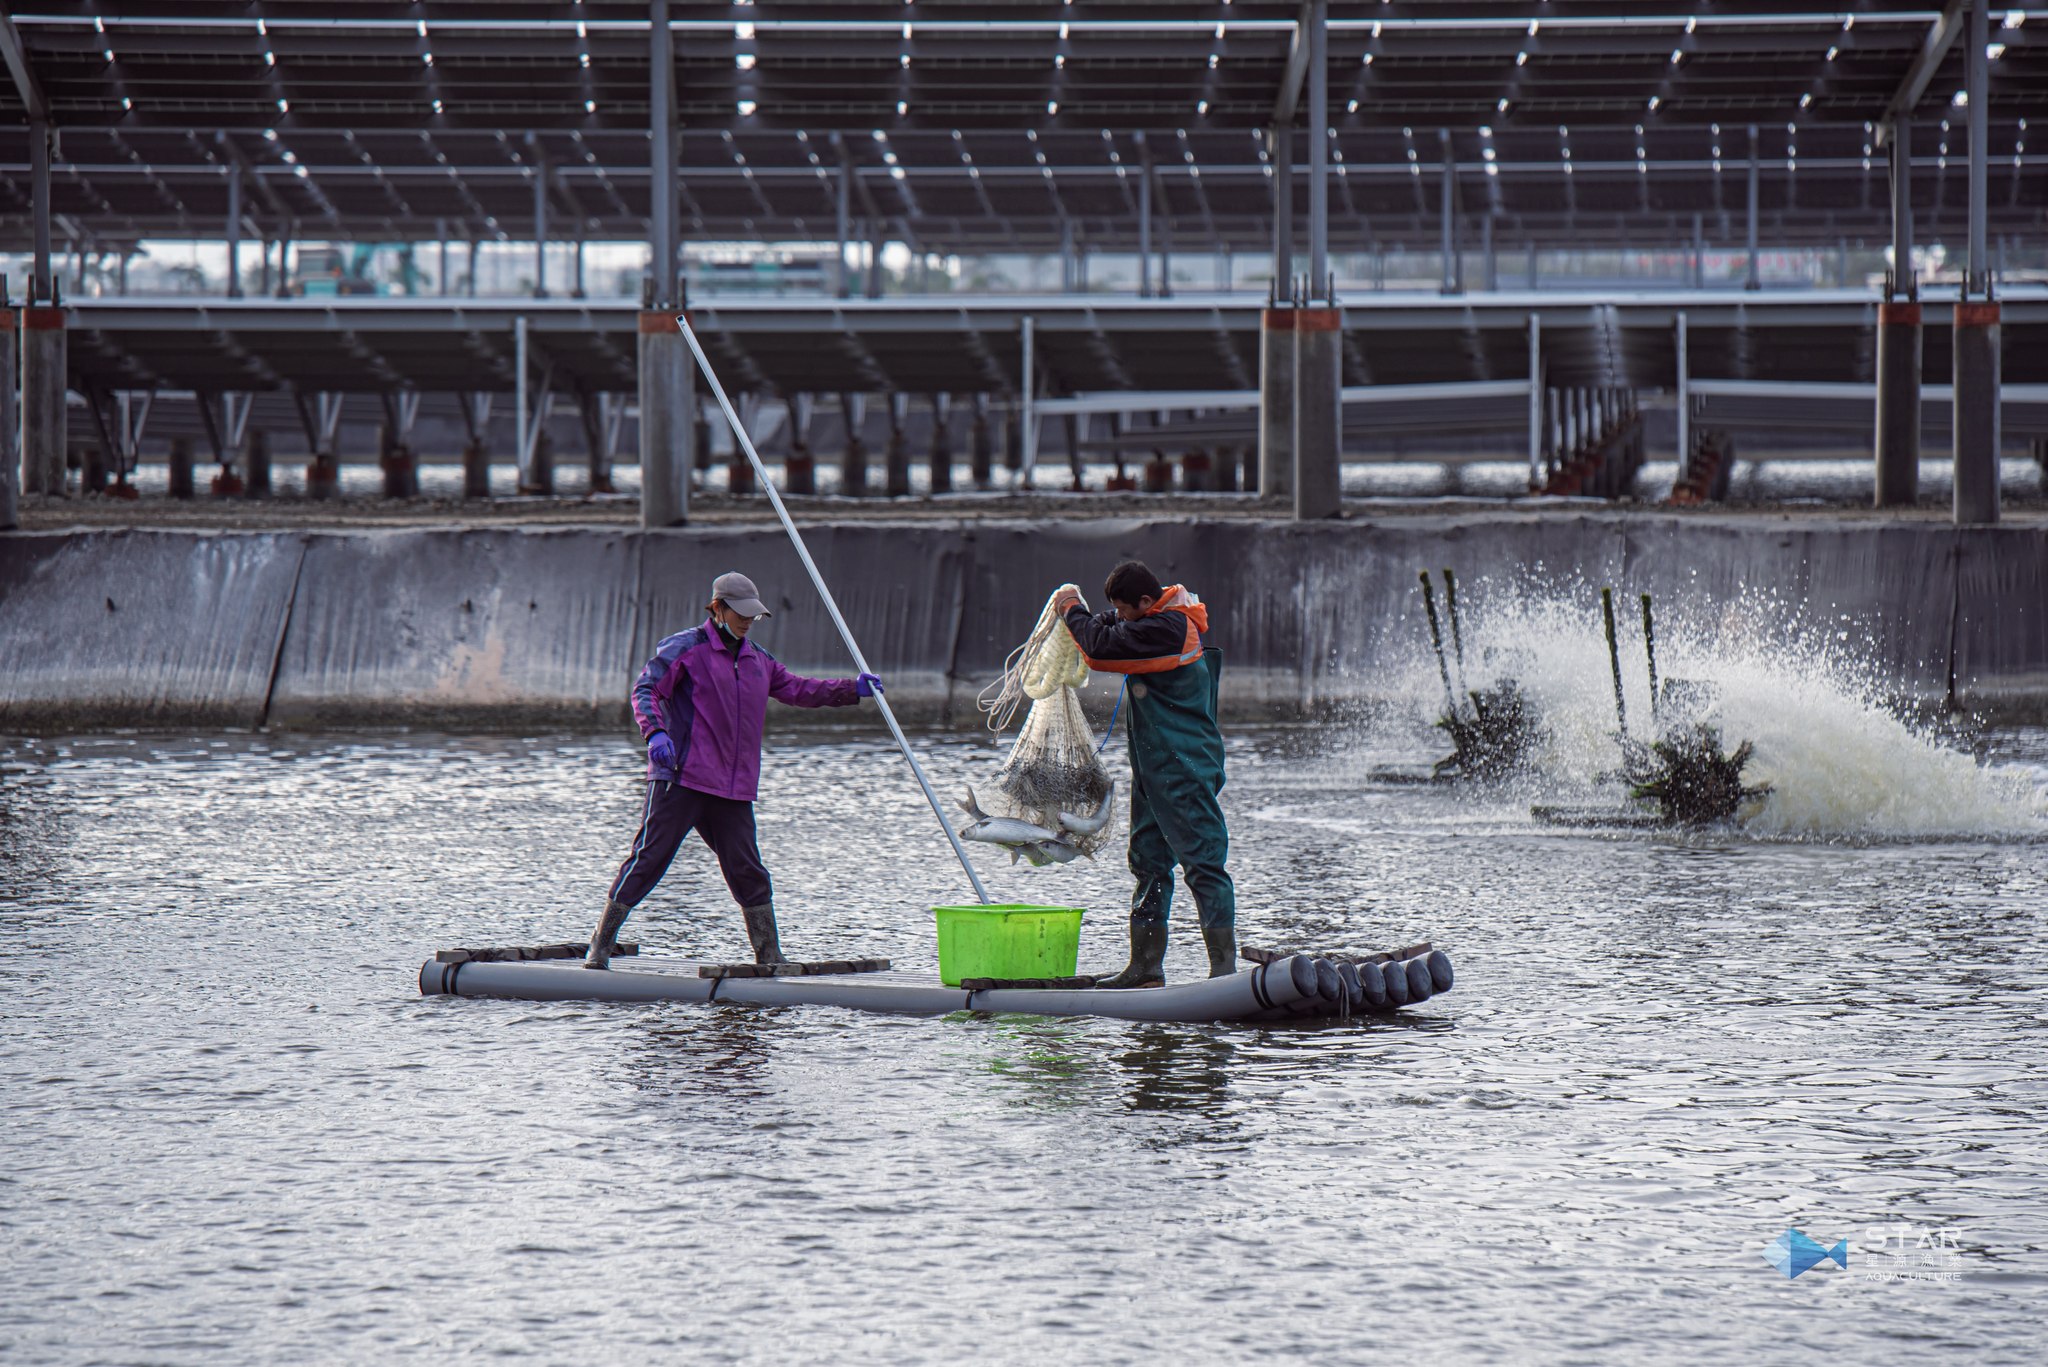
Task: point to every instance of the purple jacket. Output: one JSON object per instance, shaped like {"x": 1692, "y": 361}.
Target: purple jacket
{"x": 712, "y": 704}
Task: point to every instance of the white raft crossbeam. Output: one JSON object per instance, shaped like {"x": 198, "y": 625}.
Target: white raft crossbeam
{"x": 1294, "y": 987}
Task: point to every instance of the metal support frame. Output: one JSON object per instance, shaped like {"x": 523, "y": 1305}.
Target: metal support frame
{"x": 1684, "y": 369}
{"x": 661, "y": 151}
{"x": 1028, "y": 391}
{"x": 521, "y": 408}
{"x": 843, "y": 208}
{"x": 540, "y": 216}
{"x": 1280, "y": 146}
{"x": 1754, "y": 280}
{"x": 234, "y": 229}
{"x": 1536, "y": 470}
{"x": 1448, "y": 214}
{"x": 1144, "y": 218}
{"x": 1319, "y": 151}
{"x": 1976, "y": 68}
{"x": 41, "y": 283}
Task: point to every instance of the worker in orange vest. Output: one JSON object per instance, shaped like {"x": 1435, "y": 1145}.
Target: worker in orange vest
{"x": 1153, "y": 635}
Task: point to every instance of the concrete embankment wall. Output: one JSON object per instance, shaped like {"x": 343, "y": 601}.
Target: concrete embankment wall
{"x": 519, "y": 628}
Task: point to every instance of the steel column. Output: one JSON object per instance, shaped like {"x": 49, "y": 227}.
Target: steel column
{"x": 520, "y": 368}
{"x": 1280, "y": 144}
{"x": 540, "y": 219}
{"x": 1030, "y": 405}
{"x": 1684, "y": 367}
{"x": 1755, "y": 278}
{"x": 1536, "y": 471}
{"x": 1447, "y": 212}
{"x": 234, "y": 228}
{"x": 1318, "y": 155}
{"x": 664, "y": 247}
{"x": 842, "y": 273}
{"x": 40, "y": 281}
{"x": 1976, "y": 71}
{"x": 1144, "y": 219}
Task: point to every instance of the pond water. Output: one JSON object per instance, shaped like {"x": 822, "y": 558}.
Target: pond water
{"x": 235, "y": 1131}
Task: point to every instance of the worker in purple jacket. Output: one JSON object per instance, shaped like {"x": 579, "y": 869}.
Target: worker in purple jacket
{"x": 700, "y": 703}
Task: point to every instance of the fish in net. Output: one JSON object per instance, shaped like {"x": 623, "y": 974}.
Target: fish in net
{"x": 1052, "y": 780}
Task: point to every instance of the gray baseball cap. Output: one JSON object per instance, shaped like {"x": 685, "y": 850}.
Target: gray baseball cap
{"x": 737, "y": 592}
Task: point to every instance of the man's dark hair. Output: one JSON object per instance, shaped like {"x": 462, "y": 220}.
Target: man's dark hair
{"x": 1129, "y": 582}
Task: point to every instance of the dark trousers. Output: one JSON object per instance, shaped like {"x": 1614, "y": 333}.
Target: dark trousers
{"x": 1176, "y": 819}
{"x": 726, "y": 825}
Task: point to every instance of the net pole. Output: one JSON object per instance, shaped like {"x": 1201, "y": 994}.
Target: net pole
{"x": 803, "y": 552}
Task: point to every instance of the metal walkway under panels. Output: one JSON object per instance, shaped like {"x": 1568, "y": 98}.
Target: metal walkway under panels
{"x": 955, "y": 345}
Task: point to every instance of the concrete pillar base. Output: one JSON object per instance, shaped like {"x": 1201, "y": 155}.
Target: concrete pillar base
{"x": 1276, "y": 405}
{"x": 44, "y": 430}
{"x": 256, "y": 464}
{"x": 323, "y": 476}
{"x": 853, "y": 468}
{"x": 1898, "y": 405}
{"x": 1976, "y": 420}
{"x": 981, "y": 452}
{"x": 799, "y": 472}
{"x": 539, "y": 478}
{"x": 476, "y": 470}
{"x": 1318, "y": 413}
{"x": 181, "y": 467}
{"x": 896, "y": 465}
{"x": 668, "y": 421}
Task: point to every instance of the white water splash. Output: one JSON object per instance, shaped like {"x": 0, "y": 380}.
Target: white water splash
{"x": 1840, "y": 761}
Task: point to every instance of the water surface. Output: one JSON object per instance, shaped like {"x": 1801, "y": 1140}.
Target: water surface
{"x": 234, "y": 1131}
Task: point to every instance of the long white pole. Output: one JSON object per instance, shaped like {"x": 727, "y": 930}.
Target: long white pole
{"x": 803, "y": 552}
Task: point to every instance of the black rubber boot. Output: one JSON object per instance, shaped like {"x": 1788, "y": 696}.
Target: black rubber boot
{"x": 1222, "y": 944}
{"x": 606, "y": 935}
{"x": 1148, "y": 958}
{"x": 761, "y": 933}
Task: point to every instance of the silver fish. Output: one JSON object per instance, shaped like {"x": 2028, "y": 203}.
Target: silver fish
{"x": 1055, "y": 852}
{"x": 1089, "y": 825}
{"x": 1006, "y": 830}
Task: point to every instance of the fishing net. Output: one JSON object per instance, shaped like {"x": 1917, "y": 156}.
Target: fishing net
{"x": 1052, "y": 766}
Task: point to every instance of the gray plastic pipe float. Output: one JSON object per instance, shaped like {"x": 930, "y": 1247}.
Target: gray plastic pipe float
{"x": 1285, "y": 989}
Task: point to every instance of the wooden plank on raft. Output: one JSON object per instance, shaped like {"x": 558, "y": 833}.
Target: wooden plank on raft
{"x": 815, "y": 968}
{"x": 513, "y": 953}
{"x": 1084, "y": 980}
{"x": 1384, "y": 956}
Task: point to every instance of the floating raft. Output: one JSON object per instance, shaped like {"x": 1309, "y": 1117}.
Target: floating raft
{"x": 1277, "y": 987}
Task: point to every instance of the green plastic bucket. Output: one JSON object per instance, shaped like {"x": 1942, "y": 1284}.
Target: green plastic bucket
{"x": 1007, "y": 942}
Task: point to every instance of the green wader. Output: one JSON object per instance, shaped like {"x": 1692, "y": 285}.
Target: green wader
{"x": 1176, "y": 775}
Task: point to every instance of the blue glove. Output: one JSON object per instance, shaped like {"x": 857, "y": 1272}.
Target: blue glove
{"x": 867, "y": 685}
{"x": 661, "y": 750}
